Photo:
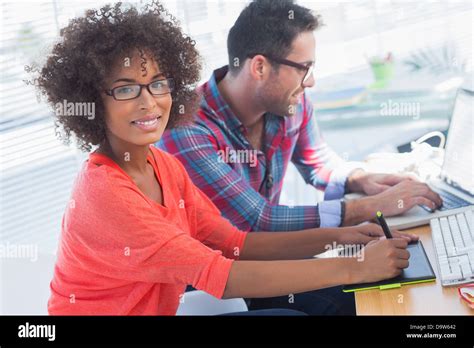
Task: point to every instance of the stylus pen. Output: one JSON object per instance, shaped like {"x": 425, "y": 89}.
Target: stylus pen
{"x": 383, "y": 223}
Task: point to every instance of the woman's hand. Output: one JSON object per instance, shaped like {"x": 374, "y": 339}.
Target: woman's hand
{"x": 382, "y": 259}
{"x": 364, "y": 233}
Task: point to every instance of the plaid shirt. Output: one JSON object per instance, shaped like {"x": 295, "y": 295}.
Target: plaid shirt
{"x": 245, "y": 184}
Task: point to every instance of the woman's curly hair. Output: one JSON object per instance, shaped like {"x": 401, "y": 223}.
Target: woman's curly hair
{"x": 89, "y": 47}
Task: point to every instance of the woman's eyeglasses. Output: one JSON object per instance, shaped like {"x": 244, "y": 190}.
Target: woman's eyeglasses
{"x": 156, "y": 88}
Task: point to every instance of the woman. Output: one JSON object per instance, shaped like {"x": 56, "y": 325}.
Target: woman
{"x": 137, "y": 230}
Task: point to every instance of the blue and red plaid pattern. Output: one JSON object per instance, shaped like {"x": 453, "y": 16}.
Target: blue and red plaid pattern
{"x": 245, "y": 184}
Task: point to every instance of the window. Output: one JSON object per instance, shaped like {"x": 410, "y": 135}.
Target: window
{"x": 38, "y": 171}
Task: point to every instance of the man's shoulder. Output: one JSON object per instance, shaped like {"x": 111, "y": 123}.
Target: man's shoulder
{"x": 187, "y": 137}
{"x": 190, "y": 129}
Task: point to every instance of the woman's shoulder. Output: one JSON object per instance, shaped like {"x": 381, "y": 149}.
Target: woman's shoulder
{"x": 100, "y": 176}
{"x": 172, "y": 170}
{"x": 168, "y": 161}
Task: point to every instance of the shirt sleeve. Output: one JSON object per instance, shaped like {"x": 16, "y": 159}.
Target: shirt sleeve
{"x": 318, "y": 163}
{"x": 133, "y": 242}
{"x": 211, "y": 227}
{"x": 330, "y": 213}
{"x": 336, "y": 187}
{"x": 239, "y": 202}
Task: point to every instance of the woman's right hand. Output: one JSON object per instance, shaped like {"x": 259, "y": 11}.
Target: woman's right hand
{"x": 383, "y": 259}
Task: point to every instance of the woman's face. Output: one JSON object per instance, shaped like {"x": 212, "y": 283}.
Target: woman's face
{"x": 141, "y": 120}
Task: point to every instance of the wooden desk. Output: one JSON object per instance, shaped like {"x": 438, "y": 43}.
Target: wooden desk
{"x": 418, "y": 299}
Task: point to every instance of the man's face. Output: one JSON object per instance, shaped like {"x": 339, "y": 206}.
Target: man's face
{"x": 282, "y": 91}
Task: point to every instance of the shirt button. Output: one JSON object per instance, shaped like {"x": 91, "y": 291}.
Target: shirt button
{"x": 269, "y": 181}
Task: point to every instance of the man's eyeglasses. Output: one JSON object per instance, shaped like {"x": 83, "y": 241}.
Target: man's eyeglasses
{"x": 127, "y": 92}
{"x": 308, "y": 69}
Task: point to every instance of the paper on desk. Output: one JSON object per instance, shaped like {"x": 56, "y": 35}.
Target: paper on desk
{"x": 424, "y": 161}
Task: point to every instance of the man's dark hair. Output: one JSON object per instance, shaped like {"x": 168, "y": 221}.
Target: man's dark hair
{"x": 268, "y": 27}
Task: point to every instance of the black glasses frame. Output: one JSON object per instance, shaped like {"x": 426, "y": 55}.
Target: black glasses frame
{"x": 170, "y": 81}
{"x": 308, "y": 69}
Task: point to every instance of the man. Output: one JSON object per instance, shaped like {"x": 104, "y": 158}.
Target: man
{"x": 254, "y": 118}
{"x": 258, "y": 105}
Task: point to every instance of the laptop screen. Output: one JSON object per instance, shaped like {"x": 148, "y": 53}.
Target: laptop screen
{"x": 458, "y": 165}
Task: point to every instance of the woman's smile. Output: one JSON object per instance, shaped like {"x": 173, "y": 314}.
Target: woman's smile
{"x": 148, "y": 123}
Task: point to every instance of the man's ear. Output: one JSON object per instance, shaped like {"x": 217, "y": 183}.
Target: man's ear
{"x": 259, "y": 67}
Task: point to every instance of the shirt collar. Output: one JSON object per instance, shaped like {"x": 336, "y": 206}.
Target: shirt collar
{"x": 214, "y": 100}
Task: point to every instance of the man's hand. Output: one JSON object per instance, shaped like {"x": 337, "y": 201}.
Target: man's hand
{"x": 404, "y": 196}
{"x": 364, "y": 233}
{"x": 392, "y": 201}
{"x": 373, "y": 183}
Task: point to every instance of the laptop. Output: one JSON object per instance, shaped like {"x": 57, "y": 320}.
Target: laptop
{"x": 455, "y": 184}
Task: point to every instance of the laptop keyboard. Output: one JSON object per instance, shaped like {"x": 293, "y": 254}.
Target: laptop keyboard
{"x": 453, "y": 239}
{"x": 450, "y": 201}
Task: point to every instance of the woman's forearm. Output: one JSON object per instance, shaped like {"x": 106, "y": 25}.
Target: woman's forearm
{"x": 288, "y": 245}
{"x": 278, "y": 278}
{"x": 380, "y": 259}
